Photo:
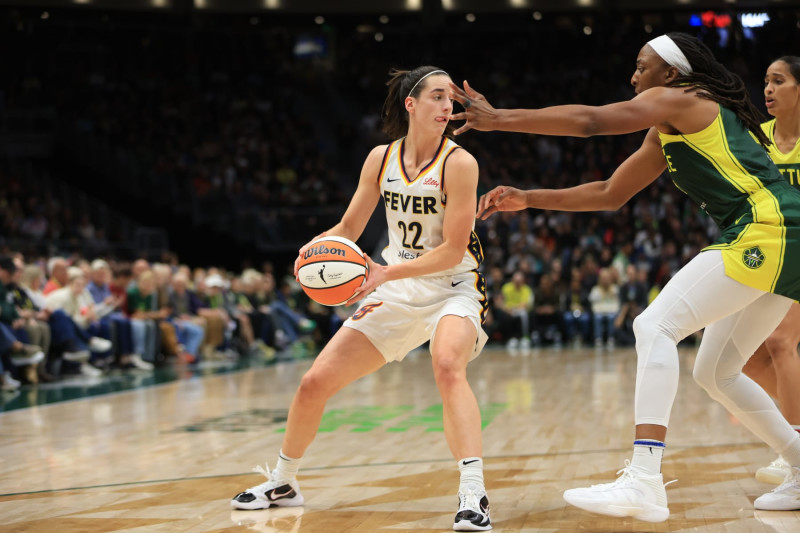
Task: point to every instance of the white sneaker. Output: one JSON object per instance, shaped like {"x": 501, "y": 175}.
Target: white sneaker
{"x": 785, "y": 497}
{"x": 28, "y": 355}
{"x": 96, "y": 344}
{"x": 473, "y": 510}
{"x": 8, "y": 382}
{"x": 138, "y": 362}
{"x": 635, "y": 494}
{"x": 89, "y": 370}
{"x": 775, "y": 473}
{"x": 77, "y": 357}
{"x": 273, "y": 492}
{"x": 512, "y": 344}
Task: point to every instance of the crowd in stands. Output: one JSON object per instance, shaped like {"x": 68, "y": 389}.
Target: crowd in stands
{"x": 68, "y": 315}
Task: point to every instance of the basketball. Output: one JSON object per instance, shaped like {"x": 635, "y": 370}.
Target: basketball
{"x": 331, "y": 270}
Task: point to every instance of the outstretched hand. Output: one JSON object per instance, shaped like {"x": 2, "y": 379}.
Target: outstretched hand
{"x": 501, "y": 198}
{"x": 478, "y": 112}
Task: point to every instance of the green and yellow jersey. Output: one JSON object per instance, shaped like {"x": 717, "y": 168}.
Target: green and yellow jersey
{"x": 788, "y": 164}
{"x": 730, "y": 176}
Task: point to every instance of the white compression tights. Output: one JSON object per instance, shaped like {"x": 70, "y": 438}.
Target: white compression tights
{"x": 737, "y": 319}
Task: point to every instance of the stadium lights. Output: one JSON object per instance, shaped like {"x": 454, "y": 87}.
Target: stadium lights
{"x": 537, "y": 15}
{"x": 753, "y": 20}
{"x": 383, "y": 19}
{"x": 470, "y": 17}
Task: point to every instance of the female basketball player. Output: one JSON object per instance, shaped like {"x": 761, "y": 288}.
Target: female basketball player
{"x": 705, "y": 131}
{"x": 775, "y": 365}
{"x": 429, "y": 290}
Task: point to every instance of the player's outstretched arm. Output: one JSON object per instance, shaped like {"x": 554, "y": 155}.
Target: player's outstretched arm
{"x": 361, "y": 206}
{"x": 655, "y": 106}
{"x": 633, "y": 175}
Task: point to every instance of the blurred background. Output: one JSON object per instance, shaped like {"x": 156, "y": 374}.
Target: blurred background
{"x": 227, "y": 133}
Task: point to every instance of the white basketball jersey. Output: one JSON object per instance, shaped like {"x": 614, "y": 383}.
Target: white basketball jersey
{"x": 415, "y": 209}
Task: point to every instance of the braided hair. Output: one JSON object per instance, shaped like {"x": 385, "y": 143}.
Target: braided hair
{"x": 714, "y": 82}
{"x": 401, "y": 83}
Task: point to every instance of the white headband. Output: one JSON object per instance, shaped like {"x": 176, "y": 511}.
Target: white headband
{"x": 425, "y": 76}
{"x": 669, "y": 52}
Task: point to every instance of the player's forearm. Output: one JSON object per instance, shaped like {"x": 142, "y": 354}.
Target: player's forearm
{"x": 565, "y": 120}
{"x": 441, "y": 258}
{"x": 592, "y": 196}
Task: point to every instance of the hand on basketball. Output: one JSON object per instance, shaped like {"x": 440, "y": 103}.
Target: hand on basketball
{"x": 478, "y": 112}
{"x": 501, "y": 198}
{"x": 376, "y": 275}
{"x": 302, "y": 251}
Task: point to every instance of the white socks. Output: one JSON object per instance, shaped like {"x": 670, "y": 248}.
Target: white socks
{"x": 471, "y": 469}
{"x": 286, "y": 469}
{"x": 647, "y": 454}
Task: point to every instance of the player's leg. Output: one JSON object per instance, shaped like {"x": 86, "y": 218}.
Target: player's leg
{"x": 451, "y": 350}
{"x": 726, "y": 345}
{"x": 698, "y": 295}
{"x": 348, "y": 356}
{"x": 775, "y": 366}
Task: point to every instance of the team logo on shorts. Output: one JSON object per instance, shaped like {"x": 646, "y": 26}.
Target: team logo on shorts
{"x": 753, "y": 257}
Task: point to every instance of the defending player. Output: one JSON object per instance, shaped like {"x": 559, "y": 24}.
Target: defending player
{"x": 704, "y": 129}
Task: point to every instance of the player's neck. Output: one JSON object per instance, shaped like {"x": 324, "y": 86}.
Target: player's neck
{"x": 420, "y": 147}
{"x": 787, "y": 128}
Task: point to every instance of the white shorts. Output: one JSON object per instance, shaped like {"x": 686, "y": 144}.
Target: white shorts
{"x": 402, "y": 314}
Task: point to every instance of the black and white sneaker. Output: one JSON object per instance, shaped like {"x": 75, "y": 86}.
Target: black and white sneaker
{"x": 272, "y": 493}
{"x": 473, "y": 510}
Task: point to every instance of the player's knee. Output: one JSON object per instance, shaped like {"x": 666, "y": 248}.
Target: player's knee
{"x": 781, "y": 345}
{"x": 448, "y": 369}
{"x": 313, "y": 387}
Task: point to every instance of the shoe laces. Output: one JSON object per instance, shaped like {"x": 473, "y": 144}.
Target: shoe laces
{"x": 271, "y": 482}
{"x": 627, "y": 478}
{"x": 470, "y": 499}
{"x": 792, "y": 480}
{"x": 780, "y": 462}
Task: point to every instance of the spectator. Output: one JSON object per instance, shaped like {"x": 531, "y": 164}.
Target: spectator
{"x": 115, "y": 320}
{"x": 149, "y": 323}
{"x": 35, "y": 320}
{"x": 576, "y": 310}
{"x": 518, "y": 302}
{"x": 78, "y": 308}
{"x": 14, "y": 350}
{"x": 57, "y": 267}
{"x": 633, "y": 300}
{"x": 604, "y": 298}
{"x": 546, "y": 313}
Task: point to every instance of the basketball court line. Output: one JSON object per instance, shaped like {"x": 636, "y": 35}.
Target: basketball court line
{"x": 377, "y": 465}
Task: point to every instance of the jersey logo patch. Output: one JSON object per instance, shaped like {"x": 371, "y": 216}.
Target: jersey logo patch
{"x": 753, "y": 257}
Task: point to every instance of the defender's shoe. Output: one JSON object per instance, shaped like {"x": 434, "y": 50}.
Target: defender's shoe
{"x": 272, "y": 493}
{"x": 473, "y": 510}
{"x": 635, "y": 494}
{"x": 775, "y": 473}
{"x": 785, "y": 497}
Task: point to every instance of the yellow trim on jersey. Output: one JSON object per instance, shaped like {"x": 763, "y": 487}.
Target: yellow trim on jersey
{"x": 431, "y": 164}
{"x": 781, "y": 158}
{"x": 382, "y": 170}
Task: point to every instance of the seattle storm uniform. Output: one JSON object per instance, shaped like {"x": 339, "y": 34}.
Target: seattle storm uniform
{"x": 788, "y": 164}
{"x": 402, "y": 314}
{"x": 729, "y": 174}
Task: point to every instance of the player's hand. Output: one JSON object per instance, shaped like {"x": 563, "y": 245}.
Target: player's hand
{"x": 376, "y": 275}
{"x": 302, "y": 251}
{"x": 501, "y": 198}
{"x": 478, "y": 112}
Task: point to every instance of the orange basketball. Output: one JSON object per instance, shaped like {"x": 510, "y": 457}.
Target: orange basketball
{"x": 331, "y": 270}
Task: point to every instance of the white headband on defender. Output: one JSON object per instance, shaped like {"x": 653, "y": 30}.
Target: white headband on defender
{"x": 669, "y": 52}
{"x": 425, "y": 76}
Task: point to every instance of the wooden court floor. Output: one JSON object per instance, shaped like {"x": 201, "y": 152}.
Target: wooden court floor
{"x": 169, "y": 457}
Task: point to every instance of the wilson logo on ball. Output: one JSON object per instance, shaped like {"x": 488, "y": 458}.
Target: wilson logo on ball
{"x": 322, "y": 249}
